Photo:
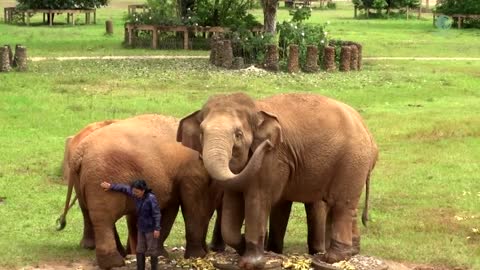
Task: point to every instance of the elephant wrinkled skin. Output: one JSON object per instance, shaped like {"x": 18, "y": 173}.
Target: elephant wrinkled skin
{"x": 289, "y": 147}
{"x": 143, "y": 147}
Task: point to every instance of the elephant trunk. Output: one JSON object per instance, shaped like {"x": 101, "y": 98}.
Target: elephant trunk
{"x": 217, "y": 152}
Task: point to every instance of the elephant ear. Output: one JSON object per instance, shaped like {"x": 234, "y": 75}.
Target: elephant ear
{"x": 268, "y": 128}
{"x": 188, "y": 132}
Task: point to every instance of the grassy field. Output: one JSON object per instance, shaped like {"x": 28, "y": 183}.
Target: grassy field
{"x": 380, "y": 37}
{"x": 425, "y": 117}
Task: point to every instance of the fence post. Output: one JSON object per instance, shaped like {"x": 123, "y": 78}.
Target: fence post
{"x": 293, "y": 64}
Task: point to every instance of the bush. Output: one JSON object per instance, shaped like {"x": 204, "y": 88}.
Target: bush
{"x": 295, "y": 32}
{"x": 159, "y": 12}
{"x": 61, "y": 4}
{"x": 381, "y": 5}
{"x": 450, "y": 7}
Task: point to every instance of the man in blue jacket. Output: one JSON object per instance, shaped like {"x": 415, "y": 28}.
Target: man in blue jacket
{"x": 148, "y": 216}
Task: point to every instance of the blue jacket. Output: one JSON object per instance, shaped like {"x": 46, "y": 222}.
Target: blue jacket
{"x": 148, "y": 211}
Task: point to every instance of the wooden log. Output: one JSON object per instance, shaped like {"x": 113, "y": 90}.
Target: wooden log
{"x": 271, "y": 59}
{"x": 345, "y": 56}
{"x": 227, "y": 59}
{"x": 329, "y": 58}
{"x": 353, "y": 57}
{"x": 359, "y": 59}
{"x": 20, "y": 58}
{"x": 10, "y": 54}
{"x": 238, "y": 63}
{"x": 109, "y": 27}
{"x": 219, "y": 53}
{"x": 4, "y": 59}
{"x": 293, "y": 65}
{"x": 311, "y": 65}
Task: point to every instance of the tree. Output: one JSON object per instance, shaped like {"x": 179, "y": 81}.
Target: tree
{"x": 269, "y": 15}
{"x": 61, "y": 4}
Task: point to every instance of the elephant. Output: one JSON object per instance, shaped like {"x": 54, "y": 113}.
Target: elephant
{"x": 71, "y": 144}
{"x": 143, "y": 147}
{"x": 287, "y": 147}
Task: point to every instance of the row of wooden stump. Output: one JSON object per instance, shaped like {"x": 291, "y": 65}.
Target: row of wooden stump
{"x": 221, "y": 55}
{"x": 8, "y": 60}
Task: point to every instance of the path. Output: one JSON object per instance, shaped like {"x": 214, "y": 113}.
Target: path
{"x": 145, "y": 57}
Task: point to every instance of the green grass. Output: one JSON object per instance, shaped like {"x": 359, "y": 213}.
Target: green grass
{"x": 424, "y": 116}
{"x": 394, "y": 37}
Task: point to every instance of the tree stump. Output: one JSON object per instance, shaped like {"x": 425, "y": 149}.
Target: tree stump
{"x": 354, "y": 57}
{"x": 109, "y": 27}
{"x": 219, "y": 53}
{"x": 10, "y": 54}
{"x": 238, "y": 63}
{"x": 345, "y": 56}
{"x": 329, "y": 58}
{"x": 227, "y": 58}
{"x": 293, "y": 63}
{"x": 4, "y": 59}
{"x": 213, "y": 49}
{"x": 20, "y": 58}
{"x": 359, "y": 61}
{"x": 312, "y": 59}
{"x": 271, "y": 59}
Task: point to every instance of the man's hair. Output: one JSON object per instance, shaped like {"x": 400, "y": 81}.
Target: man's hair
{"x": 140, "y": 184}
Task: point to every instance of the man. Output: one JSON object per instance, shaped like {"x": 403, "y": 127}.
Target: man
{"x": 148, "y": 216}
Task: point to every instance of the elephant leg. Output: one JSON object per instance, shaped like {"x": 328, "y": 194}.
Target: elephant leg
{"x": 88, "y": 239}
{"x": 341, "y": 240}
{"x": 168, "y": 218}
{"x": 256, "y": 216}
{"x": 278, "y": 226}
{"x": 232, "y": 220}
{"x": 316, "y": 213}
{"x": 120, "y": 247}
{"x": 106, "y": 249}
{"x": 196, "y": 227}
{"x": 217, "y": 244}
{"x": 132, "y": 234}
{"x": 355, "y": 235}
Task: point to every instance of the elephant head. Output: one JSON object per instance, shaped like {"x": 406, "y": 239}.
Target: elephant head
{"x": 233, "y": 135}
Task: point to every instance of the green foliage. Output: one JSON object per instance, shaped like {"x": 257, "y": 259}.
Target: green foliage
{"x": 450, "y": 7}
{"x": 296, "y": 32}
{"x": 159, "y": 12}
{"x": 250, "y": 46}
{"x": 227, "y": 13}
{"x": 380, "y": 5}
{"x": 61, "y": 4}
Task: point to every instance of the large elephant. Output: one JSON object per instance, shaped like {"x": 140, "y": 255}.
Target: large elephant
{"x": 143, "y": 147}
{"x": 71, "y": 144}
{"x": 289, "y": 147}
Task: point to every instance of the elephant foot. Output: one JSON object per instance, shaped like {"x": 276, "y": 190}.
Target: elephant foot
{"x": 163, "y": 252}
{"x": 110, "y": 260}
{"x": 217, "y": 246}
{"x": 355, "y": 246}
{"x": 253, "y": 257}
{"x": 195, "y": 251}
{"x": 87, "y": 243}
{"x": 337, "y": 252}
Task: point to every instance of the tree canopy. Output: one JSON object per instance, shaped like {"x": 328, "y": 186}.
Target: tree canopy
{"x": 61, "y": 4}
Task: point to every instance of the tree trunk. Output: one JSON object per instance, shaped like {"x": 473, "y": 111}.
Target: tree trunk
{"x": 269, "y": 15}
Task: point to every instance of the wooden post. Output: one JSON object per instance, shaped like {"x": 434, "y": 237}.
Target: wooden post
{"x": 345, "y": 57}
{"x": 109, "y": 27}
{"x": 20, "y": 58}
{"x": 43, "y": 20}
{"x": 227, "y": 59}
{"x": 130, "y": 34}
{"x": 10, "y": 54}
{"x": 73, "y": 18}
{"x": 312, "y": 59}
{"x": 4, "y": 59}
{"x": 360, "y": 56}
{"x": 219, "y": 53}
{"x": 50, "y": 16}
{"x": 408, "y": 9}
{"x": 154, "y": 38}
{"x": 293, "y": 65}
{"x": 185, "y": 39}
{"x": 354, "y": 57}
{"x": 355, "y": 12}
{"x": 329, "y": 58}
{"x": 5, "y": 15}
{"x": 94, "y": 16}
{"x": 271, "y": 58}
{"x": 460, "y": 20}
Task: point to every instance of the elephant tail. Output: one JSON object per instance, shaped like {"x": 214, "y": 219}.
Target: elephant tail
{"x": 365, "y": 208}
{"x": 73, "y": 178}
{"x": 365, "y": 217}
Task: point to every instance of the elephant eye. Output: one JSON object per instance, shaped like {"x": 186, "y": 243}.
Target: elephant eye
{"x": 238, "y": 134}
